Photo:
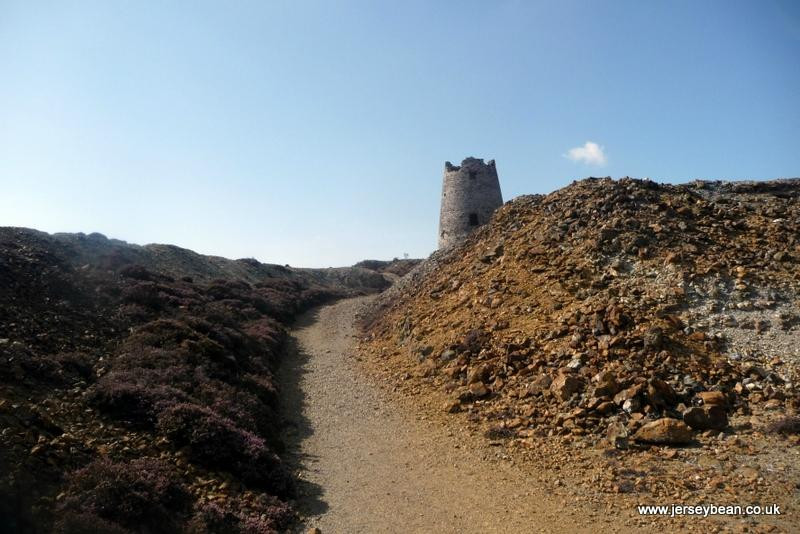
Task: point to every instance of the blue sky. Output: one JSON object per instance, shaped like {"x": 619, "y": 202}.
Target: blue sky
{"x": 315, "y": 133}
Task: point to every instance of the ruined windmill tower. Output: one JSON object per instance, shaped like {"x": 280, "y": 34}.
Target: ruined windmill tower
{"x": 470, "y": 194}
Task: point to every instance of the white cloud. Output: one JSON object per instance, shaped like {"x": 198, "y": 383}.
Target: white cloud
{"x": 590, "y": 153}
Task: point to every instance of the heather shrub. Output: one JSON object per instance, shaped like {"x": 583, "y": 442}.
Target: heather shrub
{"x": 234, "y": 290}
{"x": 218, "y": 313}
{"x": 258, "y": 305}
{"x": 144, "y": 495}
{"x": 254, "y": 524}
{"x": 277, "y": 303}
{"x": 168, "y": 342}
{"x": 262, "y": 386}
{"x": 179, "y": 363}
{"x": 213, "y": 518}
{"x": 241, "y": 407}
{"x": 265, "y": 338}
{"x": 213, "y": 349}
{"x": 278, "y": 298}
{"x": 35, "y": 366}
{"x": 145, "y": 294}
{"x": 138, "y": 394}
{"x": 130, "y": 397}
{"x": 134, "y": 313}
{"x": 223, "y": 366}
{"x": 153, "y": 358}
{"x": 226, "y": 336}
{"x": 267, "y": 332}
{"x": 162, "y": 333}
{"x": 75, "y": 364}
{"x": 216, "y": 442}
{"x": 137, "y": 272}
{"x": 86, "y": 523}
{"x": 313, "y": 296}
{"x": 15, "y": 368}
{"x": 276, "y": 514}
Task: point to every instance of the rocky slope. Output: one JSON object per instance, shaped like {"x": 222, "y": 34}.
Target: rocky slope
{"x": 136, "y": 384}
{"x": 619, "y": 315}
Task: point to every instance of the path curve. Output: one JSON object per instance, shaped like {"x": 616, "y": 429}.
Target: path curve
{"x": 367, "y": 467}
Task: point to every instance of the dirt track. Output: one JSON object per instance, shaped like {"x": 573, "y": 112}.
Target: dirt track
{"x": 367, "y": 467}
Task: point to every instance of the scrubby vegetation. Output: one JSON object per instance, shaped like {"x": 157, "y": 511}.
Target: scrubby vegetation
{"x": 136, "y": 386}
{"x": 143, "y": 494}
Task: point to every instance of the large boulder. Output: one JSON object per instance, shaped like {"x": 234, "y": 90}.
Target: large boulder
{"x": 564, "y": 386}
{"x": 665, "y": 431}
{"x": 712, "y": 398}
{"x": 711, "y": 417}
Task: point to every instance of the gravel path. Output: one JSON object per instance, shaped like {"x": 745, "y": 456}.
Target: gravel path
{"x": 367, "y": 467}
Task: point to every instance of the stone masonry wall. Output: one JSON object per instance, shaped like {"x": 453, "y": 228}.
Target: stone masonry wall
{"x": 470, "y": 194}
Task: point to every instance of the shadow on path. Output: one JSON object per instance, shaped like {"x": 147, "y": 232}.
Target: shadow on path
{"x": 296, "y": 426}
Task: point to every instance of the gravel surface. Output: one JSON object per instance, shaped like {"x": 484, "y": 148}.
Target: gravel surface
{"x": 368, "y": 466}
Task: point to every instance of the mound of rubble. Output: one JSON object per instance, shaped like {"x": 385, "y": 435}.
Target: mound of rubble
{"x": 136, "y": 385}
{"x": 625, "y": 311}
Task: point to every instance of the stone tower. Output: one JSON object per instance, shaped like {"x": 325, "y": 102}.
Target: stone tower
{"x": 470, "y": 194}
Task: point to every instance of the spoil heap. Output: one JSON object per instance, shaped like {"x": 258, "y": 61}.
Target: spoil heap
{"x": 626, "y": 311}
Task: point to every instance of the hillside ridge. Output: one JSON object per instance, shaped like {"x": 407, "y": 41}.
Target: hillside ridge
{"x": 137, "y": 385}
{"x": 622, "y": 314}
